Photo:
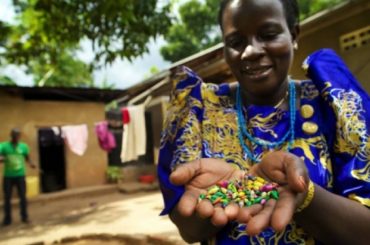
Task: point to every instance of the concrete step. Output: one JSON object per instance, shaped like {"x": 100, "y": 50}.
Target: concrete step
{"x": 132, "y": 187}
{"x": 125, "y": 187}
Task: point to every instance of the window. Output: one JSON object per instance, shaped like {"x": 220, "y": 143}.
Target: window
{"x": 355, "y": 39}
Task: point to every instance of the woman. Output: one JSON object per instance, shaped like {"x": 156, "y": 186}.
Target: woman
{"x": 311, "y": 137}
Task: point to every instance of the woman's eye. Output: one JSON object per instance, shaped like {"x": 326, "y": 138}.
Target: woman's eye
{"x": 269, "y": 36}
{"x": 235, "y": 43}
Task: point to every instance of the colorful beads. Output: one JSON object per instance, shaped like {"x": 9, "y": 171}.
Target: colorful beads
{"x": 246, "y": 192}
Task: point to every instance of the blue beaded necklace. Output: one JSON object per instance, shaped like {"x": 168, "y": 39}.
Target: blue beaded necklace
{"x": 242, "y": 128}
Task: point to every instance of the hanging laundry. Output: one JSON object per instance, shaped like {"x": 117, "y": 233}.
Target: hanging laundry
{"x": 56, "y": 130}
{"x": 114, "y": 156}
{"x": 125, "y": 115}
{"x": 48, "y": 137}
{"x": 134, "y": 133}
{"x": 114, "y": 118}
{"x": 106, "y": 138}
{"x": 76, "y": 137}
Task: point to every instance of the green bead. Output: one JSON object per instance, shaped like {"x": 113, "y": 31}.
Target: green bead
{"x": 218, "y": 194}
{"x": 274, "y": 194}
{"x": 257, "y": 200}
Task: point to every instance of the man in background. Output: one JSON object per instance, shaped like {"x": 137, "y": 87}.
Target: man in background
{"x": 14, "y": 154}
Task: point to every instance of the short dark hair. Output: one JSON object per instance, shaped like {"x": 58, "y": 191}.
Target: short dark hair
{"x": 291, "y": 11}
{"x": 15, "y": 131}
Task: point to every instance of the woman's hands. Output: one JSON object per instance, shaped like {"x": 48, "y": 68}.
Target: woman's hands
{"x": 286, "y": 169}
{"x": 290, "y": 172}
{"x": 197, "y": 176}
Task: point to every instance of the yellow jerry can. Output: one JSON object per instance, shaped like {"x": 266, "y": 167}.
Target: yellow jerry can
{"x": 33, "y": 186}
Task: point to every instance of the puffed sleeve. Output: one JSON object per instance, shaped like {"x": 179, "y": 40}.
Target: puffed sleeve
{"x": 181, "y": 139}
{"x": 348, "y": 110}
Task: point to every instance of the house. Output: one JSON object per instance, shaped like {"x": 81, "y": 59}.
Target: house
{"x": 344, "y": 28}
{"x": 35, "y": 109}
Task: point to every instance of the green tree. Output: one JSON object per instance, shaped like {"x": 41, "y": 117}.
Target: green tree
{"x": 116, "y": 28}
{"x": 5, "y": 80}
{"x": 311, "y": 7}
{"x": 47, "y": 33}
{"x": 66, "y": 71}
{"x": 197, "y": 28}
{"x": 152, "y": 71}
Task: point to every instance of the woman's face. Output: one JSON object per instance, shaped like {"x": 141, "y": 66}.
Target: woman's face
{"x": 258, "y": 45}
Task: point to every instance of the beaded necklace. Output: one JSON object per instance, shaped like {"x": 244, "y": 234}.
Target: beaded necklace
{"x": 242, "y": 129}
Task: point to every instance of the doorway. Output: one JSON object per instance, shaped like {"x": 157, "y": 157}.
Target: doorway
{"x": 52, "y": 160}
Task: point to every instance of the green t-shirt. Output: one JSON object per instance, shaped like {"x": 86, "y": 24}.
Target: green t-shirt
{"x": 14, "y": 158}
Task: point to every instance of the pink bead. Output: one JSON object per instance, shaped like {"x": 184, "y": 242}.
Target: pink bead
{"x": 223, "y": 183}
{"x": 267, "y": 188}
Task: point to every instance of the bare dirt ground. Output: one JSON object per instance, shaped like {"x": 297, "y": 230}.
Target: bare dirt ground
{"x": 136, "y": 215}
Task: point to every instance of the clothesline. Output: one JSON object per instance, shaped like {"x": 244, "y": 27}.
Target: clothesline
{"x": 130, "y": 121}
{"x": 133, "y": 133}
{"x": 60, "y": 124}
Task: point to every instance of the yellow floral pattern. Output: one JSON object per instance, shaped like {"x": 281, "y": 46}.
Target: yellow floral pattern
{"x": 352, "y": 134}
{"x": 202, "y": 122}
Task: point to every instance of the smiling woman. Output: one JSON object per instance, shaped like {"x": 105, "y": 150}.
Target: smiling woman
{"x": 259, "y": 55}
{"x": 311, "y": 137}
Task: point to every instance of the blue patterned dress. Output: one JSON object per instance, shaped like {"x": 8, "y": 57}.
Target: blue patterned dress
{"x": 202, "y": 123}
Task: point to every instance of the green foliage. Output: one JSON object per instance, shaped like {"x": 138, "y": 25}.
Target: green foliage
{"x": 195, "y": 30}
{"x": 197, "y": 27}
{"x": 152, "y": 71}
{"x": 64, "y": 72}
{"x": 5, "y": 80}
{"x": 114, "y": 174}
{"x": 311, "y": 7}
{"x": 46, "y": 34}
{"x": 116, "y": 28}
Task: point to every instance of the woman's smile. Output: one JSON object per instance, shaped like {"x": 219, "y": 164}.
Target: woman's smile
{"x": 258, "y": 48}
{"x": 256, "y": 72}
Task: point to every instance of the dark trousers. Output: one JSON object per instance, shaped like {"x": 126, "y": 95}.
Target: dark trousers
{"x": 8, "y": 184}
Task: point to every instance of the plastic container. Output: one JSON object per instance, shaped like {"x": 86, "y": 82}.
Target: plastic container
{"x": 33, "y": 186}
{"x": 147, "y": 179}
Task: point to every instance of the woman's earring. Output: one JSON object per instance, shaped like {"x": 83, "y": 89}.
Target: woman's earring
{"x": 295, "y": 45}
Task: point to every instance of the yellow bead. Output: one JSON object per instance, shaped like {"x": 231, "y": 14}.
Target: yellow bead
{"x": 260, "y": 180}
{"x": 307, "y": 111}
{"x": 213, "y": 190}
{"x": 310, "y": 127}
{"x": 258, "y": 185}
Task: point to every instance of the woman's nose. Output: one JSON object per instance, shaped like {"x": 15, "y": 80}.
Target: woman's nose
{"x": 252, "y": 51}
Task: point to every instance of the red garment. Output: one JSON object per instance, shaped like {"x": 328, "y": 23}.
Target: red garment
{"x": 125, "y": 115}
